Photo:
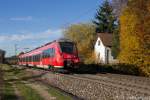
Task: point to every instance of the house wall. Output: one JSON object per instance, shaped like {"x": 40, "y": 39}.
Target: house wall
{"x": 101, "y": 53}
{"x": 110, "y": 57}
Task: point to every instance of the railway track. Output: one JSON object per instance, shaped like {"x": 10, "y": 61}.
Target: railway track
{"x": 122, "y": 82}
{"x": 129, "y": 86}
{"x": 132, "y": 79}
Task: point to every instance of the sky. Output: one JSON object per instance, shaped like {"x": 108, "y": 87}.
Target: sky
{"x": 31, "y": 23}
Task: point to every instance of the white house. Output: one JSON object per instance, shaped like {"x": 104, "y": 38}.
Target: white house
{"x": 103, "y": 48}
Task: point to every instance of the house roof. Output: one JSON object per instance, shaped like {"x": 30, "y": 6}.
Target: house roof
{"x": 106, "y": 38}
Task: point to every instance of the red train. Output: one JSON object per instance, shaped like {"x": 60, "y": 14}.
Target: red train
{"x": 60, "y": 54}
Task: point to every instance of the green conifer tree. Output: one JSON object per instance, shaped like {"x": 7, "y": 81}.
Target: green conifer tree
{"x": 104, "y": 18}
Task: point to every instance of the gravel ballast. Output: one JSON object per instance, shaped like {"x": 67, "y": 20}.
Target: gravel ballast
{"x": 90, "y": 90}
{"x": 97, "y": 89}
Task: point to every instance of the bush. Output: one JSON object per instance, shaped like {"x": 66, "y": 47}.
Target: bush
{"x": 120, "y": 69}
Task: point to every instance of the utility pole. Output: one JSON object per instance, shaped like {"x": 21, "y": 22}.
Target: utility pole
{"x": 15, "y": 49}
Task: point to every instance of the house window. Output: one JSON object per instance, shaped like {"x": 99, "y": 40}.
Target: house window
{"x": 99, "y": 43}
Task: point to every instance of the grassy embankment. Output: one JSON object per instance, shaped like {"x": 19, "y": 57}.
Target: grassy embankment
{"x": 14, "y": 77}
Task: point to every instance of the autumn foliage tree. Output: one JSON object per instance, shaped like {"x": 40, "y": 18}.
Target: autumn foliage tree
{"x": 84, "y": 35}
{"x": 135, "y": 35}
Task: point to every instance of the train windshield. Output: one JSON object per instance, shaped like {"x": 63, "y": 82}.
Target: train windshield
{"x": 67, "y": 47}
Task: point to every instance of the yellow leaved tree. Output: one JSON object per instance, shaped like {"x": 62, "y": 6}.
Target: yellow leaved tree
{"x": 135, "y": 35}
{"x": 84, "y": 35}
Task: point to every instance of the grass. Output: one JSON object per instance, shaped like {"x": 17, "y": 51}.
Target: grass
{"x": 8, "y": 90}
{"x": 28, "y": 93}
{"x": 9, "y": 93}
{"x": 11, "y": 74}
{"x": 59, "y": 95}
{"x": 14, "y": 76}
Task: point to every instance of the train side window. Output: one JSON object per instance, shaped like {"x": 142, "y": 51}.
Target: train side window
{"x": 36, "y": 58}
{"x": 52, "y": 52}
{"x": 30, "y": 58}
{"x": 46, "y": 53}
{"x": 39, "y": 57}
{"x": 33, "y": 58}
{"x": 43, "y": 54}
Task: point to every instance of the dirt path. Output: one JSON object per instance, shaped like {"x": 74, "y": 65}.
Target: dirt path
{"x": 41, "y": 89}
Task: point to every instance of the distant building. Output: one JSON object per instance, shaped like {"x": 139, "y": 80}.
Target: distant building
{"x": 103, "y": 48}
{"x": 2, "y": 56}
{"x": 11, "y": 60}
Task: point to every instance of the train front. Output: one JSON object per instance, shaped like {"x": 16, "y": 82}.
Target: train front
{"x": 69, "y": 54}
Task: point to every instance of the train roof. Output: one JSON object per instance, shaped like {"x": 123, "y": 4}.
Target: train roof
{"x": 59, "y": 40}
{"x": 63, "y": 40}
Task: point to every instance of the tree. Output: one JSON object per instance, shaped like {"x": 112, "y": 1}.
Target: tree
{"x": 84, "y": 35}
{"x": 115, "y": 43}
{"x": 135, "y": 35}
{"x": 104, "y": 19}
{"x": 118, "y": 6}
{"x": 106, "y": 22}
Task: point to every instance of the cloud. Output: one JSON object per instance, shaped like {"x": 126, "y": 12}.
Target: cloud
{"x": 26, "y": 18}
{"x": 48, "y": 34}
{"x": 27, "y": 40}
